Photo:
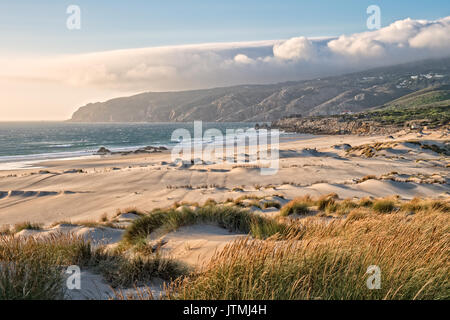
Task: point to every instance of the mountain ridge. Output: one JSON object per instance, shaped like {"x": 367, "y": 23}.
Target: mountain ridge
{"x": 349, "y": 93}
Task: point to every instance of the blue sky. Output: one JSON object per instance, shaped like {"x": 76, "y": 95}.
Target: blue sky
{"x": 195, "y": 44}
{"x": 38, "y": 27}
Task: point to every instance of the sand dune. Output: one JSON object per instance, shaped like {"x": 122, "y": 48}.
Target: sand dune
{"x": 97, "y": 236}
{"x": 85, "y": 189}
{"x": 195, "y": 245}
{"x": 65, "y": 196}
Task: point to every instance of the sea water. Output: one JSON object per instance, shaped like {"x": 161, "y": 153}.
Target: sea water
{"x": 25, "y": 143}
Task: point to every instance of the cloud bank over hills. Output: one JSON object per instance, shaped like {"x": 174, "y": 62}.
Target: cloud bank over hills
{"x": 209, "y": 65}
{"x": 219, "y": 64}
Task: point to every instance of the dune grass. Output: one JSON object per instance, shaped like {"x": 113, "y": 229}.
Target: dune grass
{"x": 27, "y": 226}
{"x": 326, "y": 201}
{"x": 271, "y": 204}
{"x": 329, "y": 261}
{"x": 282, "y": 258}
{"x": 383, "y": 205}
{"x": 231, "y": 218}
{"x": 122, "y": 270}
{"x": 299, "y": 206}
{"x": 331, "y": 205}
{"x": 417, "y": 204}
{"x": 365, "y": 202}
{"x": 294, "y": 207}
{"x": 344, "y": 207}
{"x": 358, "y": 214}
{"x": 33, "y": 268}
{"x": 240, "y": 200}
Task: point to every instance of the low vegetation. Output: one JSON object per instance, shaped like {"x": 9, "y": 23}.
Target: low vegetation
{"x": 231, "y": 218}
{"x": 330, "y": 261}
{"x": 431, "y": 107}
{"x": 331, "y": 205}
{"x": 34, "y": 268}
{"x": 282, "y": 258}
{"x": 371, "y": 150}
{"x": 383, "y": 206}
{"x": 271, "y": 204}
{"x": 298, "y": 206}
{"x": 27, "y": 226}
{"x": 124, "y": 270}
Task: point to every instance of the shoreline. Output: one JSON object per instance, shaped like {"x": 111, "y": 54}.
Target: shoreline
{"x": 85, "y": 189}
{"x": 37, "y": 161}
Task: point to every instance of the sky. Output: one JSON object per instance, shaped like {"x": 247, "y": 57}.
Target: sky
{"x": 124, "y": 47}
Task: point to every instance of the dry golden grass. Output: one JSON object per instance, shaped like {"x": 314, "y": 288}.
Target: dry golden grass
{"x": 417, "y": 204}
{"x": 232, "y": 218}
{"x": 311, "y": 258}
{"x": 299, "y": 206}
{"x": 327, "y": 200}
{"x": 32, "y": 268}
{"x": 359, "y": 213}
{"x": 383, "y": 205}
{"x": 330, "y": 260}
{"x": 365, "y": 178}
{"x": 271, "y": 204}
{"x": 27, "y": 226}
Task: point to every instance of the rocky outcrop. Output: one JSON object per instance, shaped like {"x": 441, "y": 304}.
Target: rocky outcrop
{"x": 147, "y": 149}
{"x": 333, "y": 125}
{"x": 103, "y": 151}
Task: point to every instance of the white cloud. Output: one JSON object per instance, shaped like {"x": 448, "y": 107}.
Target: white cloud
{"x": 242, "y": 58}
{"x": 435, "y": 36}
{"x": 295, "y": 49}
{"x": 220, "y": 64}
{"x": 357, "y": 46}
{"x": 407, "y": 38}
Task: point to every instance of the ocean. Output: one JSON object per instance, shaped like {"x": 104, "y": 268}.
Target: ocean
{"x": 25, "y": 143}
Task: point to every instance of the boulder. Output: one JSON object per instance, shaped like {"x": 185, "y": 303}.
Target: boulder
{"x": 103, "y": 151}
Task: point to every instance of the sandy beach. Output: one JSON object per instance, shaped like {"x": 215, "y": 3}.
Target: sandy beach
{"x": 85, "y": 189}
{"x": 98, "y": 198}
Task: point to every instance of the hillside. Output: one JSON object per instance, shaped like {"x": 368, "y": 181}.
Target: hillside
{"x": 428, "y": 107}
{"x": 327, "y": 96}
{"x": 431, "y": 106}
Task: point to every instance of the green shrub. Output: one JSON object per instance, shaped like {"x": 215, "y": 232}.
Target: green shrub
{"x": 383, "y": 206}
